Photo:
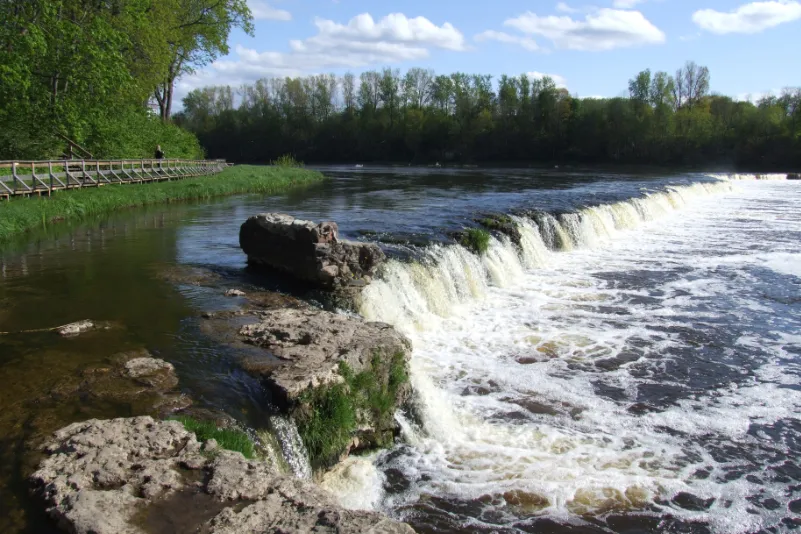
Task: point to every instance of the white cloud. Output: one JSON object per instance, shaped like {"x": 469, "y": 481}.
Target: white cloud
{"x": 395, "y": 28}
{"x": 361, "y": 42}
{"x": 749, "y": 18}
{"x": 626, "y": 4}
{"x": 604, "y": 29}
{"x": 491, "y": 35}
{"x": 564, "y": 8}
{"x": 263, "y": 11}
{"x": 560, "y": 81}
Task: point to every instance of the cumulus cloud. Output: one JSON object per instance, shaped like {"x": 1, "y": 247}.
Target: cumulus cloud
{"x": 361, "y": 42}
{"x": 749, "y": 18}
{"x": 560, "y": 81}
{"x": 263, "y": 11}
{"x": 603, "y": 29}
{"x": 491, "y": 35}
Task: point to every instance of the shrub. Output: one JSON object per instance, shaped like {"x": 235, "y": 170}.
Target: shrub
{"x": 287, "y": 160}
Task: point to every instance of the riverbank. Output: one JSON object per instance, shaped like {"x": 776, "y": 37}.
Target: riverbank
{"x": 23, "y": 215}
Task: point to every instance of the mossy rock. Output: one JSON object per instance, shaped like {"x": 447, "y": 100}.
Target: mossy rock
{"x": 502, "y": 224}
{"x": 355, "y": 414}
{"x": 474, "y": 239}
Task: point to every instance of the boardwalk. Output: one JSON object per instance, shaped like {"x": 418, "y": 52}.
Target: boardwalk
{"x": 26, "y": 178}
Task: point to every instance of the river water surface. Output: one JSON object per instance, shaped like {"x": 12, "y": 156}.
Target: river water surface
{"x": 634, "y": 365}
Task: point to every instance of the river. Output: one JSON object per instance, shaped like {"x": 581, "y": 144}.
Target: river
{"x": 633, "y": 366}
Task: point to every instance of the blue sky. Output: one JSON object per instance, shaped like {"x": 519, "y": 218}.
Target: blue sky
{"x": 592, "y": 47}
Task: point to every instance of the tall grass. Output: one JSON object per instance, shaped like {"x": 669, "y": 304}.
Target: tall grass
{"x": 228, "y": 438}
{"x": 21, "y": 215}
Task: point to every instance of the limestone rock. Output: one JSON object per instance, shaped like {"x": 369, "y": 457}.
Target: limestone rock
{"x": 234, "y": 293}
{"x": 73, "y": 329}
{"x": 116, "y": 476}
{"x": 310, "y": 252}
{"x": 152, "y": 372}
{"x": 310, "y": 344}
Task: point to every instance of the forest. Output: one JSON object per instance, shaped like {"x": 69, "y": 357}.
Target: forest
{"x": 422, "y": 118}
{"x": 101, "y": 73}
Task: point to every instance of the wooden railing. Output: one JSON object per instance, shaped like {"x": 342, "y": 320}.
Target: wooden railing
{"x": 43, "y": 177}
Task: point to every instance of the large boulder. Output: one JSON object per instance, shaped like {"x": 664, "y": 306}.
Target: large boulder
{"x": 308, "y": 251}
{"x": 339, "y": 377}
{"x": 139, "y": 475}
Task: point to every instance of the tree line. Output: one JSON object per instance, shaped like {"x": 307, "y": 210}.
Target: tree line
{"x": 101, "y": 72}
{"x": 422, "y": 117}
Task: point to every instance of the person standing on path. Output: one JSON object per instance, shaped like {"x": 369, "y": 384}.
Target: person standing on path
{"x": 159, "y": 152}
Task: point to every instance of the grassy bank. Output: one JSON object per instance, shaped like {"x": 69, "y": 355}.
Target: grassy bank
{"x": 21, "y": 215}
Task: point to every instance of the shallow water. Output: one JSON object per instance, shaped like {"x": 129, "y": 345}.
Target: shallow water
{"x": 634, "y": 368}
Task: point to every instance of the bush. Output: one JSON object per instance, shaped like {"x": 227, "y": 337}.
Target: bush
{"x": 476, "y": 240}
{"x": 228, "y": 438}
{"x": 287, "y": 160}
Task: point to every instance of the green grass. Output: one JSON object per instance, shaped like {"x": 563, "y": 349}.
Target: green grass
{"x": 21, "y": 215}
{"x": 332, "y": 414}
{"x": 227, "y": 438}
{"x": 476, "y": 240}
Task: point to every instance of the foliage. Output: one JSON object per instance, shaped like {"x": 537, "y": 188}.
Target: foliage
{"x": 422, "y": 117}
{"x": 287, "y": 161}
{"x": 87, "y": 70}
{"x": 476, "y": 240}
{"x": 228, "y": 438}
{"x": 332, "y": 413}
{"x": 25, "y": 214}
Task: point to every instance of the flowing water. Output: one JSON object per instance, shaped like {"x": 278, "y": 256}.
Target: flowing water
{"x": 632, "y": 365}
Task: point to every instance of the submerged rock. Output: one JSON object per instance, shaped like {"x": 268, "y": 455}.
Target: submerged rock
{"x": 308, "y": 251}
{"x": 234, "y": 293}
{"x": 794, "y": 176}
{"x": 316, "y": 359}
{"x": 136, "y": 475}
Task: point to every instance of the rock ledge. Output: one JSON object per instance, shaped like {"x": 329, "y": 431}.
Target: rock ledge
{"x": 120, "y": 475}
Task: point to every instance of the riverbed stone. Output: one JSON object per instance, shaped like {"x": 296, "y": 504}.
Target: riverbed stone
{"x": 309, "y": 252}
{"x": 118, "y": 476}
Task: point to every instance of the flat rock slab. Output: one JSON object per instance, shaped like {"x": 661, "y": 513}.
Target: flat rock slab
{"x": 118, "y": 476}
{"x": 308, "y": 251}
{"x": 310, "y": 345}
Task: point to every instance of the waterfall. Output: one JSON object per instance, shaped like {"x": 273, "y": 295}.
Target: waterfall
{"x": 292, "y": 449}
{"x": 416, "y": 295}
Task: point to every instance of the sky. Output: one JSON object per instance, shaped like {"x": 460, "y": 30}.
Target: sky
{"x": 591, "y": 47}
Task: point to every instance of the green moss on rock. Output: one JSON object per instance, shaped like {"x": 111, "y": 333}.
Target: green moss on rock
{"x": 476, "y": 240}
{"x": 361, "y": 406}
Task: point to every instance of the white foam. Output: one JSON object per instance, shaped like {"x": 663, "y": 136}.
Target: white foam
{"x": 784, "y": 262}
{"x": 357, "y": 482}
